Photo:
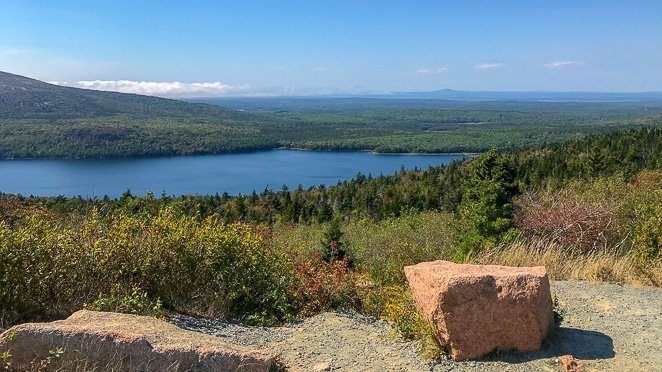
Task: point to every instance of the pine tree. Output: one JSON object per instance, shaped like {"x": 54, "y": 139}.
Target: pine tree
{"x": 332, "y": 246}
{"x": 484, "y": 214}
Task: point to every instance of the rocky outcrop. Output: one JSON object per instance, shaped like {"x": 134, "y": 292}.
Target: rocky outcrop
{"x": 476, "y": 309}
{"x": 90, "y": 340}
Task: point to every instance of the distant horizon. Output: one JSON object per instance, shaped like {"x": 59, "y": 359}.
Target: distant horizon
{"x": 394, "y": 94}
{"x": 91, "y": 86}
{"x": 376, "y": 95}
{"x": 88, "y": 85}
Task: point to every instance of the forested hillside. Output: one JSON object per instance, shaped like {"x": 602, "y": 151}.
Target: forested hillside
{"x": 40, "y": 120}
{"x": 25, "y": 98}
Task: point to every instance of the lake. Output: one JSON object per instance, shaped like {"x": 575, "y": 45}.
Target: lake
{"x": 208, "y": 174}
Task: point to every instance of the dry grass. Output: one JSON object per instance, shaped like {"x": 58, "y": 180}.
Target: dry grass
{"x": 563, "y": 263}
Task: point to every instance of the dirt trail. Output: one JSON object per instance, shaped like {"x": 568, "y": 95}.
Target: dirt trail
{"x": 607, "y": 327}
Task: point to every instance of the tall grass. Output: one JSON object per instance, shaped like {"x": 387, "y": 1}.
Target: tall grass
{"x": 567, "y": 263}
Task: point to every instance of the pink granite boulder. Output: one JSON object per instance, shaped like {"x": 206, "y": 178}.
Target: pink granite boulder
{"x": 90, "y": 340}
{"x": 476, "y": 309}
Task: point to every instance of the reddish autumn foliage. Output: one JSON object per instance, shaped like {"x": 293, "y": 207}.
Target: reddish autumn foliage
{"x": 13, "y": 209}
{"x": 323, "y": 285}
{"x": 566, "y": 220}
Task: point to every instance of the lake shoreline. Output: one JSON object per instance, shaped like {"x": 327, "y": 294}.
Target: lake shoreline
{"x": 384, "y": 153}
{"x": 210, "y": 174}
{"x": 472, "y": 154}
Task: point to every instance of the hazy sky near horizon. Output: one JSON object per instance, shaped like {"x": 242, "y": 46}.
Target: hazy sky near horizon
{"x": 216, "y": 48}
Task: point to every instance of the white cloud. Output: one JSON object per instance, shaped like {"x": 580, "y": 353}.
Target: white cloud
{"x": 208, "y": 90}
{"x": 557, "y": 64}
{"x": 486, "y": 66}
{"x": 431, "y": 71}
{"x": 164, "y": 89}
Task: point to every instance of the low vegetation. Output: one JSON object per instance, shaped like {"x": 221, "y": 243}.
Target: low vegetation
{"x": 52, "y": 266}
{"x": 587, "y": 210}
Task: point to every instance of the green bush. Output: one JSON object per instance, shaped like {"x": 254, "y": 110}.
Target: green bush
{"x": 384, "y": 248}
{"x": 332, "y": 246}
{"x": 380, "y": 248}
{"x": 135, "y": 301}
{"x": 648, "y": 243}
{"x": 51, "y": 266}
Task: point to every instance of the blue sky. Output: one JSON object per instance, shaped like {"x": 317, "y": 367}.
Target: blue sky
{"x": 308, "y": 47}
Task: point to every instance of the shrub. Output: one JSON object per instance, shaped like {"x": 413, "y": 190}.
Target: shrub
{"x": 332, "y": 246}
{"x": 384, "y": 248}
{"x": 380, "y": 248}
{"x": 484, "y": 215}
{"x": 12, "y": 209}
{"x": 558, "y": 310}
{"x": 135, "y": 301}
{"x": 608, "y": 213}
{"x": 322, "y": 285}
{"x": 567, "y": 220}
{"x": 5, "y": 356}
{"x": 648, "y": 243}
{"x": 51, "y": 266}
{"x": 395, "y": 304}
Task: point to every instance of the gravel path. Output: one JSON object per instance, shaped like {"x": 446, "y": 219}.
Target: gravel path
{"x": 607, "y": 327}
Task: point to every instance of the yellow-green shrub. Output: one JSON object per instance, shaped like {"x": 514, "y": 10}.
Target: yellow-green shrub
{"x": 395, "y": 304}
{"x": 136, "y": 302}
{"x": 50, "y": 267}
{"x": 384, "y": 248}
{"x": 381, "y": 248}
{"x": 648, "y": 242}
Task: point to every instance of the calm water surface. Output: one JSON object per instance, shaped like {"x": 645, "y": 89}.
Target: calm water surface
{"x": 209, "y": 174}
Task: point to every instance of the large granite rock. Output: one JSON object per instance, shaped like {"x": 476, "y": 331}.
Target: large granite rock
{"x": 93, "y": 340}
{"x": 477, "y": 309}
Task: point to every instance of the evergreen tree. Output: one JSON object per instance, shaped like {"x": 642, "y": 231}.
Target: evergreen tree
{"x": 485, "y": 212}
{"x": 324, "y": 213}
{"x": 332, "y": 246}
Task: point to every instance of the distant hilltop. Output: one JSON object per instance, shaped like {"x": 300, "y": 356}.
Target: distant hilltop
{"x": 539, "y": 96}
{"x": 23, "y": 97}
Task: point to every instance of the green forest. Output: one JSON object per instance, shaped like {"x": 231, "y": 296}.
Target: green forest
{"x": 411, "y": 130}
{"x": 40, "y": 120}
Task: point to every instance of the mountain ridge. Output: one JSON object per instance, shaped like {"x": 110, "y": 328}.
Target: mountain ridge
{"x": 26, "y": 98}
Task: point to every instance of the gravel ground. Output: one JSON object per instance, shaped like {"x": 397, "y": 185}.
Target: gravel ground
{"x": 607, "y": 327}
{"x": 233, "y": 332}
